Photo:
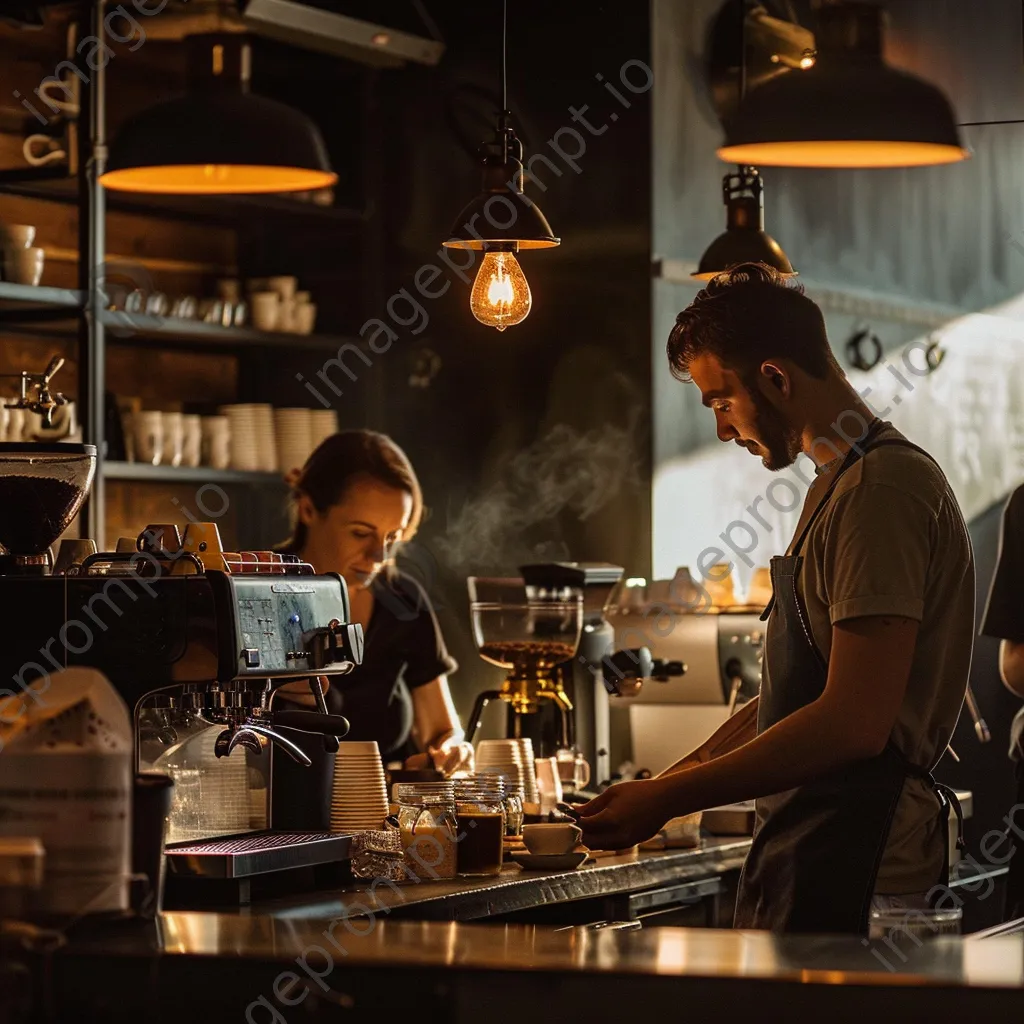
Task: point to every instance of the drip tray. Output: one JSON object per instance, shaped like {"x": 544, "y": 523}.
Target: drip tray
{"x": 256, "y": 853}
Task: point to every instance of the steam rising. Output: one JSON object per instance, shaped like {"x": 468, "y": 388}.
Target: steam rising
{"x": 515, "y": 521}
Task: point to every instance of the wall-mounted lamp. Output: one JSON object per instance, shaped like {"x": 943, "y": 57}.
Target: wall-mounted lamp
{"x": 848, "y": 109}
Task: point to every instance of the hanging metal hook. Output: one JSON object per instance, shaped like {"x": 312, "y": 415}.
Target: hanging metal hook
{"x": 863, "y": 335}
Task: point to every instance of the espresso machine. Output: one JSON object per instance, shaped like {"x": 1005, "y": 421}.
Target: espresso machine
{"x": 722, "y": 644}
{"x": 192, "y": 637}
{"x": 548, "y": 629}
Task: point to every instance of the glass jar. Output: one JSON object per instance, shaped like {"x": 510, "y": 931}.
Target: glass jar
{"x": 513, "y": 802}
{"x": 480, "y": 813}
{"x": 426, "y": 819}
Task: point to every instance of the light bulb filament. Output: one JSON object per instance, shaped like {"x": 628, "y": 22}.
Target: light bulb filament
{"x": 501, "y": 296}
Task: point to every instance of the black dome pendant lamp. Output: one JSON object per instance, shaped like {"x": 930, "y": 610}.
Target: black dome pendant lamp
{"x": 218, "y": 139}
{"x": 745, "y": 239}
{"x": 501, "y": 221}
{"x": 849, "y": 109}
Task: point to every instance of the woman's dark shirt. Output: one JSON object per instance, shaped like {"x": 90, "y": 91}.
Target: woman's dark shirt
{"x": 403, "y": 650}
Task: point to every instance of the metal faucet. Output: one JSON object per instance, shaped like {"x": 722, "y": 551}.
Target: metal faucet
{"x": 45, "y": 400}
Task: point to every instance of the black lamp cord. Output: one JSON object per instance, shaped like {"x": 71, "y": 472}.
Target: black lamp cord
{"x": 504, "y": 115}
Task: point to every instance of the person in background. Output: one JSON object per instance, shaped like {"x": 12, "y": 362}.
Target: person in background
{"x": 355, "y": 501}
{"x": 1004, "y": 620}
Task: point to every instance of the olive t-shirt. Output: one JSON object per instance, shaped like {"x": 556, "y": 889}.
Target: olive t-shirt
{"x": 892, "y": 541}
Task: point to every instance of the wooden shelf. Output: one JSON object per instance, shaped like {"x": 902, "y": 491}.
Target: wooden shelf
{"x": 132, "y": 328}
{"x": 142, "y": 471}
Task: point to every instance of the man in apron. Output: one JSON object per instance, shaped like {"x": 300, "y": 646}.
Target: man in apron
{"x": 869, "y": 635}
{"x": 1004, "y": 620}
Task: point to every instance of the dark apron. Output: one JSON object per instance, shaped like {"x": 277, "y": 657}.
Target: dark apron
{"x": 1015, "y": 880}
{"x": 816, "y": 849}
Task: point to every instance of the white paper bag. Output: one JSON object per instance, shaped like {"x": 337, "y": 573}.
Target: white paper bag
{"x": 66, "y": 778}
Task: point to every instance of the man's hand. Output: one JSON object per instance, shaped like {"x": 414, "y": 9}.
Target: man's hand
{"x": 624, "y": 815}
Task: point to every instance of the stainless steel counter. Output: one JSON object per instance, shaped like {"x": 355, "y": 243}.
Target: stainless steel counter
{"x": 514, "y": 889}
{"x": 277, "y": 969}
{"x": 300, "y": 960}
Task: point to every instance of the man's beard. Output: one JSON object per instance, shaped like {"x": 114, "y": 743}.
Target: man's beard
{"x": 778, "y": 443}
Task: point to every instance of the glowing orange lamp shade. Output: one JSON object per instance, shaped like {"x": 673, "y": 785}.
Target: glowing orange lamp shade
{"x": 218, "y": 138}
{"x": 850, "y": 109}
{"x": 222, "y": 143}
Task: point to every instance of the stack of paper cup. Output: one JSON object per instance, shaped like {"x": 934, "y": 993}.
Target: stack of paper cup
{"x": 532, "y": 794}
{"x": 359, "y": 802}
{"x": 294, "y": 432}
{"x": 324, "y": 422}
{"x": 252, "y": 437}
{"x": 514, "y": 760}
{"x": 267, "y": 439}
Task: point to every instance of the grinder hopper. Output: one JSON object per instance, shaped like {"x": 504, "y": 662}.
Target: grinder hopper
{"x": 42, "y": 487}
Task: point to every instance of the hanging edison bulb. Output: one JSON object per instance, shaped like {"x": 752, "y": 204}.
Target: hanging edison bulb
{"x": 501, "y": 296}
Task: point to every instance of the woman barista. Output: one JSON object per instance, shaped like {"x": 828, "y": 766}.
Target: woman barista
{"x": 355, "y": 500}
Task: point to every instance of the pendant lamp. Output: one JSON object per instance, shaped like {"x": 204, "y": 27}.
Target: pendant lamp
{"x": 849, "y": 109}
{"x": 219, "y": 138}
{"x": 745, "y": 239}
{"x": 500, "y": 222}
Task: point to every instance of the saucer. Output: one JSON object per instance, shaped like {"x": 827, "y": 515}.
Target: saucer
{"x": 550, "y": 862}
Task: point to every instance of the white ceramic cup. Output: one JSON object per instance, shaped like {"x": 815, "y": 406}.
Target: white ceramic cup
{"x": 24, "y": 266}
{"x": 192, "y": 448}
{"x": 286, "y": 317}
{"x": 266, "y": 310}
{"x": 216, "y": 441}
{"x": 284, "y": 285}
{"x": 174, "y": 438}
{"x": 148, "y": 430}
{"x": 551, "y": 839}
{"x": 305, "y": 317}
{"x": 17, "y": 236}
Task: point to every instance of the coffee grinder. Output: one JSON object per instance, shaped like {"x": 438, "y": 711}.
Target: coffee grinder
{"x": 548, "y": 629}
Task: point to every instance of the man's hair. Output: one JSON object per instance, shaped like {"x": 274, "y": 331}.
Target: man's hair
{"x": 746, "y": 315}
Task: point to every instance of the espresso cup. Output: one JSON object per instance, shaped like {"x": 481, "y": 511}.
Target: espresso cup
{"x": 552, "y": 839}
